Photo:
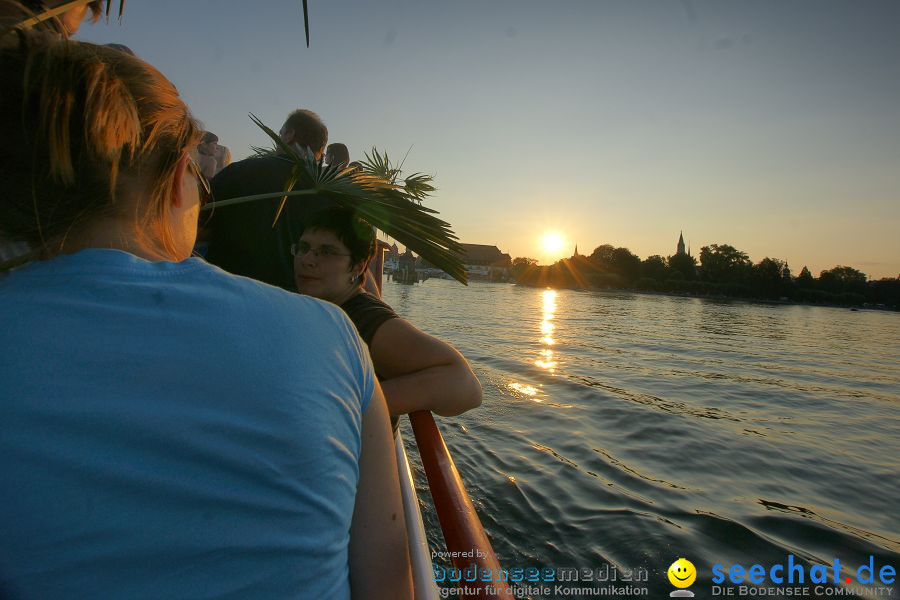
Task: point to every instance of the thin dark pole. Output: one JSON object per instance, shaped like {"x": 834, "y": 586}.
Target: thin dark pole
{"x": 306, "y": 21}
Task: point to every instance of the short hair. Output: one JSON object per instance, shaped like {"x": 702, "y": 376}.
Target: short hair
{"x": 79, "y": 123}
{"x": 355, "y": 233}
{"x": 121, "y": 48}
{"x": 309, "y": 130}
{"x": 209, "y": 136}
{"x": 340, "y": 153}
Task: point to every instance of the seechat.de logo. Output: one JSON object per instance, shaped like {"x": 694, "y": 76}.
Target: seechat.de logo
{"x": 682, "y": 574}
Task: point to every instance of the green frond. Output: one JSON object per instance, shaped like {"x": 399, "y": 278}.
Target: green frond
{"x": 418, "y": 185}
{"x": 376, "y": 196}
{"x": 260, "y": 152}
{"x": 29, "y": 17}
{"x": 379, "y": 165}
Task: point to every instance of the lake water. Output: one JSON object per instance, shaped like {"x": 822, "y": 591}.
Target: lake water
{"x": 630, "y": 430}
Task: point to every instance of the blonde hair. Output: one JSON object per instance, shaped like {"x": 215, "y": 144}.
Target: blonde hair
{"x": 79, "y": 122}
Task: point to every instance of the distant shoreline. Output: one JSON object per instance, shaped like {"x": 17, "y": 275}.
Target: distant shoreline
{"x": 721, "y": 297}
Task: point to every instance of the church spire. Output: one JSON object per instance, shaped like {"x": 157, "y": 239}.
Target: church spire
{"x": 680, "y": 249}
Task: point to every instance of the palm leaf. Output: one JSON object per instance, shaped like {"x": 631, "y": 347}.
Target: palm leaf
{"x": 375, "y": 196}
{"x": 418, "y": 185}
{"x": 39, "y": 17}
{"x": 36, "y": 19}
{"x": 260, "y": 152}
{"x": 379, "y": 165}
{"x": 292, "y": 154}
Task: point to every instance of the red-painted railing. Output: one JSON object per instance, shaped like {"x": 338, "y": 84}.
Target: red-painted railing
{"x": 466, "y": 539}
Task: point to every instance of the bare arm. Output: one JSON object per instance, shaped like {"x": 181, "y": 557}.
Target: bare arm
{"x": 421, "y": 372}
{"x": 379, "y": 552}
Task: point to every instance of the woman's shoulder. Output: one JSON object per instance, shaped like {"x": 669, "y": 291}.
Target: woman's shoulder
{"x": 366, "y": 300}
{"x": 368, "y": 313}
{"x": 365, "y": 305}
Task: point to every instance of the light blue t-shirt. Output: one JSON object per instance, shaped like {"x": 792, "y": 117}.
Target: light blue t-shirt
{"x": 171, "y": 431}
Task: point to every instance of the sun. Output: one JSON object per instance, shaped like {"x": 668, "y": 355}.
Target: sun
{"x": 552, "y": 243}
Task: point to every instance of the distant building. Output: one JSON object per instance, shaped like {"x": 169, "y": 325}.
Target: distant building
{"x": 392, "y": 258}
{"x": 486, "y": 262}
{"x": 406, "y": 268}
{"x": 679, "y": 250}
{"x": 481, "y": 261}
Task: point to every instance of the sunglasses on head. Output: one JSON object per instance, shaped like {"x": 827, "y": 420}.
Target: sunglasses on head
{"x": 202, "y": 182}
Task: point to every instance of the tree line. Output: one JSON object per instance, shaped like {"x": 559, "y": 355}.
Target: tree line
{"x": 722, "y": 270}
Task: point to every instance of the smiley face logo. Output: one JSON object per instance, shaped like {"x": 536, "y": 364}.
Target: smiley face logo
{"x": 682, "y": 573}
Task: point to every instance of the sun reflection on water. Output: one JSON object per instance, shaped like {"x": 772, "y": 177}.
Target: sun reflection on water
{"x": 547, "y": 360}
{"x": 525, "y": 390}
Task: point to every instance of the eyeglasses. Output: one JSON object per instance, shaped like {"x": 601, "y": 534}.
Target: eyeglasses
{"x": 202, "y": 182}
{"x": 301, "y": 248}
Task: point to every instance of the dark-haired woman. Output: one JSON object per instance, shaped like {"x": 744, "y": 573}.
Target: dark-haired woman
{"x": 166, "y": 430}
{"x": 417, "y": 371}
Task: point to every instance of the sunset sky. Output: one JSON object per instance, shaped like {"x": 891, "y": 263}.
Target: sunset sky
{"x": 773, "y": 126}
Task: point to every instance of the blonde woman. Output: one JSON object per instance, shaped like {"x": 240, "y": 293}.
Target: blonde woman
{"x": 166, "y": 430}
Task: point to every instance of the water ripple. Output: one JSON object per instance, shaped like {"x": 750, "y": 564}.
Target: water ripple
{"x": 726, "y": 432}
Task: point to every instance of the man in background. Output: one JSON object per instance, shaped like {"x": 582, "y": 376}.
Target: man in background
{"x": 206, "y": 154}
{"x": 337, "y": 155}
{"x": 241, "y": 237}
